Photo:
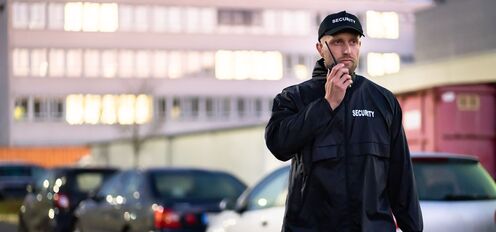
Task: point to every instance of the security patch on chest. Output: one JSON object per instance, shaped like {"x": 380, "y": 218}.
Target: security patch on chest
{"x": 363, "y": 113}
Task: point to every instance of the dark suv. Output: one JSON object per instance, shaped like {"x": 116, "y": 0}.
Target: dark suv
{"x": 51, "y": 200}
{"x": 15, "y": 177}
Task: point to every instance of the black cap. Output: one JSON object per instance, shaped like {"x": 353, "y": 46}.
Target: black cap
{"x": 339, "y": 21}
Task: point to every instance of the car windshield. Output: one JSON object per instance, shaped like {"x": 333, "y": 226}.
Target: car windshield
{"x": 452, "y": 180}
{"x": 88, "y": 181}
{"x": 192, "y": 186}
{"x": 9, "y": 171}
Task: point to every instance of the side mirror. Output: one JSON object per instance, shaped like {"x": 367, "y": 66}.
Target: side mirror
{"x": 241, "y": 205}
{"x": 30, "y": 188}
{"x": 227, "y": 204}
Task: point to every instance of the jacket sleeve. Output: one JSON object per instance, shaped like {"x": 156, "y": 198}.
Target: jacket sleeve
{"x": 401, "y": 182}
{"x": 293, "y": 124}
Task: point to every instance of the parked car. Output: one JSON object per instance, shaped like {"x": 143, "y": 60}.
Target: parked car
{"x": 456, "y": 194}
{"x": 52, "y": 199}
{"x": 158, "y": 199}
{"x": 15, "y": 177}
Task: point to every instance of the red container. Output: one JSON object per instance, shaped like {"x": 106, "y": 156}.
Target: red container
{"x": 458, "y": 119}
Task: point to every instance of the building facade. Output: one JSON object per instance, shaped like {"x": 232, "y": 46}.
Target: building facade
{"x": 81, "y": 72}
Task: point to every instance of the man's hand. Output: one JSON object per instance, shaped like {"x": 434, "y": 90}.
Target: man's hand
{"x": 338, "y": 80}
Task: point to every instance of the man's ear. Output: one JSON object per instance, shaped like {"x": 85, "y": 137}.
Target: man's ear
{"x": 319, "y": 47}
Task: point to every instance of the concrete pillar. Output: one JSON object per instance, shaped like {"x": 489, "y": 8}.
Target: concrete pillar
{"x": 5, "y": 111}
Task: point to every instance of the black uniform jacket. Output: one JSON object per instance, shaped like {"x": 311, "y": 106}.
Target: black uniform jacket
{"x": 351, "y": 168}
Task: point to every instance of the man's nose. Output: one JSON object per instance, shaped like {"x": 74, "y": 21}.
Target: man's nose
{"x": 346, "y": 48}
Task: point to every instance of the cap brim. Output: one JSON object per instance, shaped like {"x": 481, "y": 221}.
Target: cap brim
{"x": 344, "y": 27}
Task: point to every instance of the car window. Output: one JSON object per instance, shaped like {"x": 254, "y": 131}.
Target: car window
{"x": 195, "y": 185}
{"x": 131, "y": 185}
{"x": 271, "y": 192}
{"x": 86, "y": 181}
{"x": 453, "y": 180}
{"x": 111, "y": 187}
{"x": 15, "y": 171}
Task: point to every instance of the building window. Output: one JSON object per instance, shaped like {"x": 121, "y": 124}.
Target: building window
{"x": 125, "y": 109}
{"x": 241, "y": 107}
{"x": 468, "y": 102}
{"x": 175, "y": 19}
{"x": 126, "y": 63}
{"x": 74, "y": 62}
{"x": 109, "y": 63}
{"x": 39, "y": 63}
{"x": 209, "y": 107}
{"x": 233, "y": 17}
{"x": 125, "y": 18}
{"x": 56, "y": 63}
{"x": 379, "y": 64}
{"x": 161, "y": 106}
{"x": 241, "y": 65}
{"x": 142, "y": 64}
{"x": 21, "y": 109}
{"x": 225, "y": 107}
{"x": 141, "y": 18}
{"x": 20, "y": 62}
{"x": 160, "y": 64}
{"x": 55, "y": 16}
{"x": 37, "y": 15}
{"x": 91, "y": 63}
{"x": 176, "y": 112}
{"x": 382, "y": 25}
{"x": 159, "y": 22}
{"x": 20, "y": 15}
{"x": 91, "y": 17}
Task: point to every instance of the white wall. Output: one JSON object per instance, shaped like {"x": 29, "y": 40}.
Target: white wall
{"x": 239, "y": 151}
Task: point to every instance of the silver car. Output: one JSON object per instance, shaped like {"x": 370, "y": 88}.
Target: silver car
{"x": 456, "y": 194}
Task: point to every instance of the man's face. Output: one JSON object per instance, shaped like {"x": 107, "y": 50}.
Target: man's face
{"x": 345, "y": 47}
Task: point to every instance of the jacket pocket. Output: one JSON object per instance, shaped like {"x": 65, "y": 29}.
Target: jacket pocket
{"x": 325, "y": 152}
{"x": 380, "y": 150}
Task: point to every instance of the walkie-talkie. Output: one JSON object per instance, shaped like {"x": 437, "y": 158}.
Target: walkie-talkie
{"x": 334, "y": 60}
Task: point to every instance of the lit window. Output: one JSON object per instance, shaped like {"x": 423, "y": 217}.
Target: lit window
{"x": 108, "y": 17}
{"x": 21, "y": 109}
{"x": 240, "y": 65}
{"x": 20, "y": 15}
{"x": 20, "y": 62}
{"x": 109, "y": 109}
{"x": 126, "y": 111}
{"x": 109, "y": 63}
{"x": 126, "y": 63}
{"x": 141, "y": 18}
{"x": 160, "y": 64}
{"x": 270, "y": 19}
{"x": 92, "y": 106}
{"x": 143, "y": 109}
{"x": 91, "y": 63}
{"x": 379, "y": 64}
{"x": 55, "y": 16}
{"x": 39, "y": 64}
{"x": 56, "y": 64}
{"x": 37, "y": 16}
{"x": 74, "y": 63}
{"x": 142, "y": 64}
{"x": 382, "y": 25}
{"x": 90, "y": 16}
{"x": 73, "y": 16}
{"x": 74, "y": 109}
{"x": 207, "y": 62}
